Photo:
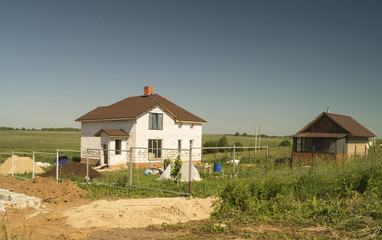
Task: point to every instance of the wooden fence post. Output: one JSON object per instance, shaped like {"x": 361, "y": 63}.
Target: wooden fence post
{"x": 365, "y": 150}
{"x": 312, "y": 155}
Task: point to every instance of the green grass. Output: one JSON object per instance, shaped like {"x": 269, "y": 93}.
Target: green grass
{"x": 39, "y": 141}
{"x": 246, "y": 141}
{"x": 345, "y": 197}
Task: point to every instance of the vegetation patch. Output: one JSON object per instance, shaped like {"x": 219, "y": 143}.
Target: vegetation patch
{"x": 346, "y": 197}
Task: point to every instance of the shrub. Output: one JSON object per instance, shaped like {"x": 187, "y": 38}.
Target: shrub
{"x": 210, "y": 144}
{"x": 285, "y": 143}
{"x": 239, "y": 144}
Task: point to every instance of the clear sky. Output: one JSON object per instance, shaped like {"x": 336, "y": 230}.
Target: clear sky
{"x": 233, "y": 63}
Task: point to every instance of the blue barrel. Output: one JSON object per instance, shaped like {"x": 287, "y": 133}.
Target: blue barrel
{"x": 218, "y": 167}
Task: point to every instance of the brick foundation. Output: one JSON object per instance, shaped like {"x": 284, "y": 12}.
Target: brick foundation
{"x": 91, "y": 161}
{"x": 156, "y": 164}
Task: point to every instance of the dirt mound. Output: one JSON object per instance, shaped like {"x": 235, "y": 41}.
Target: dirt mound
{"x": 71, "y": 169}
{"x": 45, "y": 188}
{"x": 20, "y": 165}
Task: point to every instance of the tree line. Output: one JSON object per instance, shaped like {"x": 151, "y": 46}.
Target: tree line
{"x": 222, "y": 142}
{"x": 42, "y": 129}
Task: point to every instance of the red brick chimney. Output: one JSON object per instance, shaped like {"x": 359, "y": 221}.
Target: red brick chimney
{"x": 148, "y": 90}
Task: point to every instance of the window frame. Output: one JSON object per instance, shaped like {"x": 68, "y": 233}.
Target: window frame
{"x": 155, "y": 148}
{"x": 118, "y": 147}
{"x": 179, "y": 145}
{"x": 155, "y": 121}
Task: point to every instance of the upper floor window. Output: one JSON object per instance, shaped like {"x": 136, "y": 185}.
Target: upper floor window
{"x": 156, "y": 121}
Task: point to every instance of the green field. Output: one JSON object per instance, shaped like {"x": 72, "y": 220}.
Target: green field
{"x": 21, "y": 140}
{"x": 43, "y": 141}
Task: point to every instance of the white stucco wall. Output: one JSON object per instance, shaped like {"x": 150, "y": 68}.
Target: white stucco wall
{"x": 170, "y": 134}
{"x": 88, "y": 140}
{"x": 139, "y": 136}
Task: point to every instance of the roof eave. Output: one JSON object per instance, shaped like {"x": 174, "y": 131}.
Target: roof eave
{"x": 104, "y": 119}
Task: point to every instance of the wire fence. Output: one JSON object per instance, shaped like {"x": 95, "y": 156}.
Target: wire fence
{"x": 142, "y": 167}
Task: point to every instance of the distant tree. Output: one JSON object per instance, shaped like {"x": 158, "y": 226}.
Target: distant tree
{"x": 285, "y": 143}
{"x": 210, "y": 144}
{"x": 245, "y": 135}
{"x": 223, "y": 142}
{"x": 237, "y": 134}
{"x": 23, "y": 128}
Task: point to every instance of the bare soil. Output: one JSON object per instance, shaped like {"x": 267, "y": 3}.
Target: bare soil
{"x": 65, "y": 215}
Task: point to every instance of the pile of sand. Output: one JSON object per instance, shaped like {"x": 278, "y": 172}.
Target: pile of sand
{"x": 20, "y": 165}
{"x": 134, "y": 213}
{"x": 46, "y": 189}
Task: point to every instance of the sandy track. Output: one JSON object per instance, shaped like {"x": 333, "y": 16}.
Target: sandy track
{"x": 134, "y": 213}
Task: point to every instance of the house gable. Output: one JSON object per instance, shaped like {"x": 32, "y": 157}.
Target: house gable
{"x": 324, "y": 124}
{"x": 334, "y": 123}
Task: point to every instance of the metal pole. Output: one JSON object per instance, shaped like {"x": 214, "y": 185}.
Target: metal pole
{"x": 57, "y": 152}
{"x": 266, "y": 156}
{"x": 255, "y": 137}
{"x": 33, "y": 167}
{"x": 13, "y": 154}
{"x": 233, "y": 161}
{"x": 131, "y": 167}
{"x": 189, "y": 170}
{"x": 355, "y": 150}
{"x": 259, "y": 135}
{"x": 87, "y": 165}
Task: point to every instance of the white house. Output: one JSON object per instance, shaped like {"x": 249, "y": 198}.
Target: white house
{"x": 152, "y": 126}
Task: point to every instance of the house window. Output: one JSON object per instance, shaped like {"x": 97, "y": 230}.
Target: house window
{"x": 118, "y": 144}
{"x": 156, "y": 121}
{"x": 155, "y": 148}
{"x": 179, "y": 146}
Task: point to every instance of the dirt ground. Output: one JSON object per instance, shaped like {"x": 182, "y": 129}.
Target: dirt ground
{"x": 65, "y": 215}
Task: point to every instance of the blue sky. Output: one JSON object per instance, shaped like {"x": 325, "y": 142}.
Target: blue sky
{"x": 233, "y": 63}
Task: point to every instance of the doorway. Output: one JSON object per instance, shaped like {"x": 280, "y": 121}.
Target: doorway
{"x": 105, "y": 155}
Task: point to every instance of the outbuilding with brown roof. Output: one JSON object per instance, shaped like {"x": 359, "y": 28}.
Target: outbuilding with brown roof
{"x": 331, "y": 135}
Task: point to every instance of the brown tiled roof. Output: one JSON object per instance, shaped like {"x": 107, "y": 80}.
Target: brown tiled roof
{"x": 347, "y": 123}
{"x": 112, "y": 133}
{"x": 132, "y": 107}
{"x": 320, "y": 135}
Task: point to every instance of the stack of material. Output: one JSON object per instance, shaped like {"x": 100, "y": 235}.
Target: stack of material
{"x": 10, "y": 199}
{"x": 21, "y": 165}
